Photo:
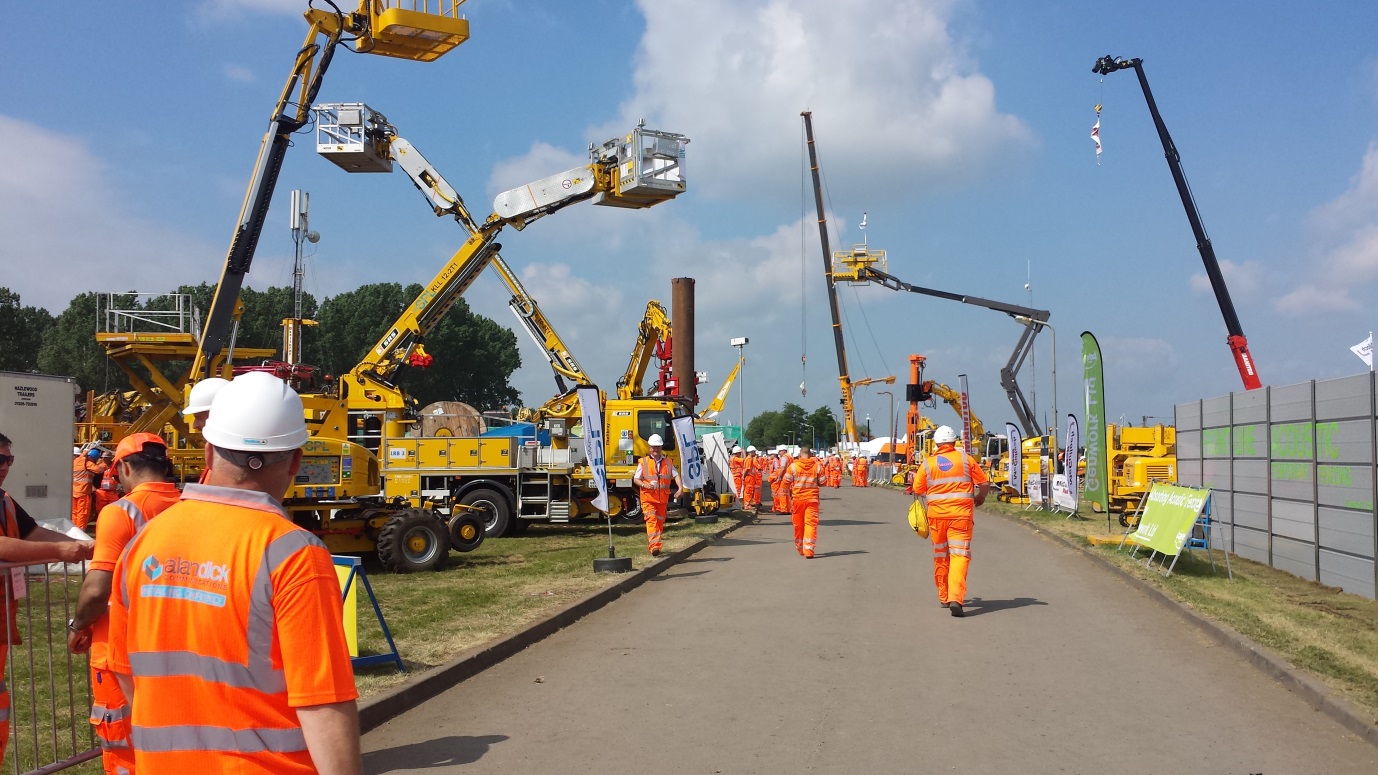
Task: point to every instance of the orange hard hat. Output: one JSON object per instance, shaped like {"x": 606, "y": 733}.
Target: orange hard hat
{"x": 138, "y": 442}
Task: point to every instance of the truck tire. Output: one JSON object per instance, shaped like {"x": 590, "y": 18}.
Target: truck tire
{"x": 496, "y": 513}
{"x": 631, "y": 507}
{"x": 412, "y": 541}
{"x": 466, "y": 531}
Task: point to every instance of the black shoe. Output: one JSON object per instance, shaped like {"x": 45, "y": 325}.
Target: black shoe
{"x": 655, "y": 552}
{"x": 944, "y": 605}
{"x": 955, "y": 609}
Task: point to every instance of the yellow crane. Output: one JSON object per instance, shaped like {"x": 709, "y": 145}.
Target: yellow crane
{"x": 710, "y": 413}
{"x": 382, "y": 27}
{"x": 653, "y": 331}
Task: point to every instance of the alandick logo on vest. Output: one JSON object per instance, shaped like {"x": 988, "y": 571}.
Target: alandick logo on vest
{"x": 200, "y": 582}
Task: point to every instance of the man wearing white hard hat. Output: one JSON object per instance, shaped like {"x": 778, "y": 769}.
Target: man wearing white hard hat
{"x": 952, "y": 485}
{"x": 225, "y": 623}
{"x": 655, "y": 477}
{"x": 751, "y": 480}
{"x": 199, "y": 401}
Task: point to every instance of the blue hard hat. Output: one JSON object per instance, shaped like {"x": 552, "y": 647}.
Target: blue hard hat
{"x": 93, "y": 453}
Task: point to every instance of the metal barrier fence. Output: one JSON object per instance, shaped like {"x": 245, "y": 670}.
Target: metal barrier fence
{"x": 1294, "y": 472}
{"x": 50, "y": 691}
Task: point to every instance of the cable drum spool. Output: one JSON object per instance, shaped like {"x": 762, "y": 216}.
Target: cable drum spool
{"x": 451, "y": 418}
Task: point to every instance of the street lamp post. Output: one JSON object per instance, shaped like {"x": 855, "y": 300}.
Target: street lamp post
{"x": 740, "y": 343}
{"x": 892, "y": 429}
{"x": 1049, "y": 326}
{"x": 813, "y": 435}
{"x": 868, "y": 427}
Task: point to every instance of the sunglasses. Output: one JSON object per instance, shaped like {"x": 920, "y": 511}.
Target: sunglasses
{"x": 6, "y": 459}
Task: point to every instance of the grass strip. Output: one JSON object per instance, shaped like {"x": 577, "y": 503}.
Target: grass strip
{"x": 1324, "y": 631}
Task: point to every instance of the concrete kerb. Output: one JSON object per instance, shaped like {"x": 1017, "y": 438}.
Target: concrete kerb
{"x": 1315, "y": 693}
{"x": 377, "y": 711}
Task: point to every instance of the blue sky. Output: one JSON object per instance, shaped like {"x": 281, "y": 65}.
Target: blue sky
{"x": 960, "y": 127}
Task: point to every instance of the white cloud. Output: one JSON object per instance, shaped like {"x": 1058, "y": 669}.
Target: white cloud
{"x": 1242, "y": 278}
{"x": 895, "y": 101}
{"x": 238, "y": 74}
{"x": 68, "y": 229}
{"x": 1346, "y": 232}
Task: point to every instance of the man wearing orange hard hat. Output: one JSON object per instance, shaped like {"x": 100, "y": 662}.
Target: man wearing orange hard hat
{"x": 141, "y": 467}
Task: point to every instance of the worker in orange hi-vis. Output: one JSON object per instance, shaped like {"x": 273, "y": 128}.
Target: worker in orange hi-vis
{"x": 226, "y": 621}
{"x": 834, "y": 470}
{"x": 22, "y": 540}
{"x": 751, "y": 480}
{"x": 952, "y": 485}
{"x": 87, "y": 471}
{"x": 779, "y": 491}
{"x": 109, "y": 490}
{"x": 655, "y": 477}
{"x": 142, "y": 469}
{"x": 802, "y": 477}
{"x": 737, "y": 465}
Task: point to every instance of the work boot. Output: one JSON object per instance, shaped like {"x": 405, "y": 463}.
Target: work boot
{"x": 955, "y": 609}
{"x": 655, "y": 552}
{"x": 944, "y": 605}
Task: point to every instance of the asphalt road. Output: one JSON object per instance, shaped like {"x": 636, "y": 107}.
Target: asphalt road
{"x": 748, "y": 658}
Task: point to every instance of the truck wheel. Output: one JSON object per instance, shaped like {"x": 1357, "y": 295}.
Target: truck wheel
{"x": 493, "y": 512}
{"x": 412, "y": 541}
{"x": 466, "y": 532}
{"x": 631, "y": 507}
{"x": 518, "y": 526}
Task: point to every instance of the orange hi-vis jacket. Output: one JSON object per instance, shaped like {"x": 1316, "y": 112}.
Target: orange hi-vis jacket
{"x": 754, "y": 467}
{"x": 738, "y": 465}
{"x": 657, "y": 478}
{"x": 802, "y": 476}
{"x": 948, "y": 481}
{"x": 229, "y": 618}
{"x": 10, "y": 610}
{"x": 82, "y": 470}
{"x": 115, "y": 528}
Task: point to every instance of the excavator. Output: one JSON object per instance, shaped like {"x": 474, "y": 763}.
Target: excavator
{"x": 427, "y": 487}
{"x": 654, "y": 339}
{"x": 381, "y": 27}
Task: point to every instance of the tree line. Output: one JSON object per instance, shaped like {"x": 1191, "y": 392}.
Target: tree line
{"x": 793, "y": 425}
{"x": 474, "y": 357}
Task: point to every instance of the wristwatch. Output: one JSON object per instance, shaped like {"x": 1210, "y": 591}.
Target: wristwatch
{"x": 72, "y": 625}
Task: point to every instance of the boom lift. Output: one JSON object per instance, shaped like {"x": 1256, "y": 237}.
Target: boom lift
{"x": 424, "y": 478}
{"x": 380, "y": 27}
{"x": 1239, "y": 345}
{"x": 861, "y": 266}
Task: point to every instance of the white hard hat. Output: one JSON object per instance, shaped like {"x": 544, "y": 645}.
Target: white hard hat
{"x": 202, "y": 393}
{"x": 736, "y": 449}
{"x": 750, "y": 449}
{"x": 257, "y": 412}
{"x": 781, "y": 448}
{"x": 944, "y": 435}
{"x": 655, "y": 440}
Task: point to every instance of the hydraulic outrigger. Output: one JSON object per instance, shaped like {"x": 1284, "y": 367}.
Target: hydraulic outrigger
{"x": 1239, "y": 345}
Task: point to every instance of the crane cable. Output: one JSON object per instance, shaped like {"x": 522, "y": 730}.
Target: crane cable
{"x": 803, "y": 266}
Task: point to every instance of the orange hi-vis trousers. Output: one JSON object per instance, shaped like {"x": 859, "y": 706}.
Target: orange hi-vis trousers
{"x": 751, "y": 491}
{"x": 4, "y": 701}
{"x": 804, "y": 513}
{"x": 951, "y": 556}
{"x": 779, "y": 496}
{"x": 81, "y": 510}
{"x": 653, "y": 513}
{"x": 110, "y": 717}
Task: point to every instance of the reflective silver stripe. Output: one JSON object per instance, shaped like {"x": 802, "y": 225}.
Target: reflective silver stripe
{"x": 950, "y": 496}
{"x": 4, "y": 687}
{"x": 102, "y": 713}
{"x": 942, "y": 545}
{"x": 259, "y": 633}
{"x": 136, "y": 515}
{"x": 107, "y": 745}
{"x": 202, "y": 738}
{"x": 962, "y": 553}
{"x": 4, "y": 716}
{"x": 121, "y": 771}
{"x": 248, "y": 499}
{"x": 165, "y": 664}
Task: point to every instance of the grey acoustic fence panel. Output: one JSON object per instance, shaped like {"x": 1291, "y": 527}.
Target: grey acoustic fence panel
{"x": 1294, "y": 473}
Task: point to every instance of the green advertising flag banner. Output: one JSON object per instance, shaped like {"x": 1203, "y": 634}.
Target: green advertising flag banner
{"x": 1168, "y": 517}
{"x": 1096, "y": 481}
